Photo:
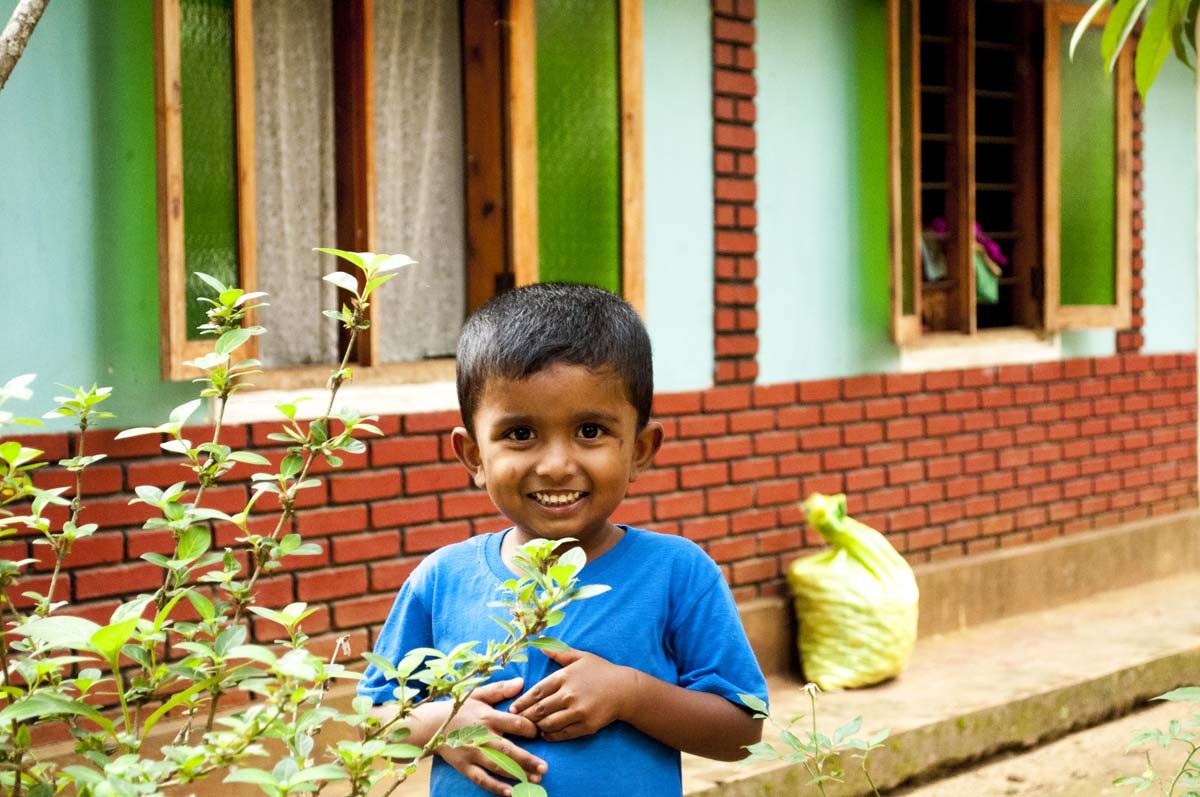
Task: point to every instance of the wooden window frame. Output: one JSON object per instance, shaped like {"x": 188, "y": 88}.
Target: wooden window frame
{"x": 906, "y": 328}
{"x": 501, "y": 170}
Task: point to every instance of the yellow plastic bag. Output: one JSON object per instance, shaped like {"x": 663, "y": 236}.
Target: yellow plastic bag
{"x": 856, "y": 603}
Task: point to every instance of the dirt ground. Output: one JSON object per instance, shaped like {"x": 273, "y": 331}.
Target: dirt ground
{"x": 1083, "y": 764}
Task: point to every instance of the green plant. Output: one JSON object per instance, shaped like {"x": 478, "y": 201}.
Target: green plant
{"x": 820, "y": 755}
{"x": 1169, "y": 25}
{"x": 1186, "y": 781}
{"x": 179, "y": 653}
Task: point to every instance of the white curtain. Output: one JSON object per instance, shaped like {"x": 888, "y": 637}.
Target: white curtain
{"x": 419, "y": 175}
{"x": 294, "y": 175}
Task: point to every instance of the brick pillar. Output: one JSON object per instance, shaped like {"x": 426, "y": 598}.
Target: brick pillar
{"x": 1131, "y": 340}
{"x": 735, "y": 294}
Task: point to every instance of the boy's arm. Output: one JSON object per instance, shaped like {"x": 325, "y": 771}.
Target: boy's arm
{"x": 590, "y": 692}
{"x": 479, "y": 709}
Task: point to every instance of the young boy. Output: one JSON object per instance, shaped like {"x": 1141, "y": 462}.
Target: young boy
{"x": 555, "y": 386}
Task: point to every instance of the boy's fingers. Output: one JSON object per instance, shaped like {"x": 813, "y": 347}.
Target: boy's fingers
{"x": 500, "y": 690}
{"x": 540, "y": 691}
{"x": 513, "y": 724}
{"x": 568, "y": 732}
{"x": 556, "y": 721}
{"x": 481, "y": 778}
{"x": 526, "y": 760}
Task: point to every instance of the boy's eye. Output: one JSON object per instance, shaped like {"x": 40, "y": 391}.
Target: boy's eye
{"x": 520, "y": 434}
{"x": 590, "y": 431}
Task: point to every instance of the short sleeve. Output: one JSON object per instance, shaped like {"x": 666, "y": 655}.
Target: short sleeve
{"x": 408, "y": 626}
{"x": 711, "y": 651}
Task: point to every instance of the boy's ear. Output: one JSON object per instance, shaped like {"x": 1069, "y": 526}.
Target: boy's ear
{"x": 467, "y": 451}
{"x": 645, "y": 446}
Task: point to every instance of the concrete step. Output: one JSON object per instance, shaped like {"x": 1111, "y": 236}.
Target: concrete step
{"x": 1006, "y": 684}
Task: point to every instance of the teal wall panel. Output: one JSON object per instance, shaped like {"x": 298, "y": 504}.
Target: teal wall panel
{"x": 579, "y": 142}
{"x": 822, "y": 172}
{"x": 679, "y": 192}
{"x": 77, "y": 213}
{"x": 1170, "y": 212}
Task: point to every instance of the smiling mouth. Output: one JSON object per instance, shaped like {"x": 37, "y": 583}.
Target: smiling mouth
{"x": 557, "y": 499}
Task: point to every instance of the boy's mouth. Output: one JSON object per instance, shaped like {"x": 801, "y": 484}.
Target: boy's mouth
{"x": 557, "y": 498}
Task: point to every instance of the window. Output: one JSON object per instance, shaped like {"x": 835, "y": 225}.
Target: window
{"x": 1010, "y": 186}
{"x": 415, "y": 127}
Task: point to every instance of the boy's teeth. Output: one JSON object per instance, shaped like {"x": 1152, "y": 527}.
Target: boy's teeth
{"x": 557, "y": 499}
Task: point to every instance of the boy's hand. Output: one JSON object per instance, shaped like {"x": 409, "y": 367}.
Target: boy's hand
{"x": 479, "y": 710}
{"x": 587, "y": 694}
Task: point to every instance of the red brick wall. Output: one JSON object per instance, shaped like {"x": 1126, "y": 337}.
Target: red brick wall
{"x": 735, "y": 295}
{"x": 946, "y": 463}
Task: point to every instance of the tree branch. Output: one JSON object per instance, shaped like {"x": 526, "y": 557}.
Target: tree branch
{"x": 16, "y": 34}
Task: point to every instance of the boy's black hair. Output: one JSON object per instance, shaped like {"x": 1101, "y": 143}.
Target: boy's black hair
{"x": 521, "y": 331}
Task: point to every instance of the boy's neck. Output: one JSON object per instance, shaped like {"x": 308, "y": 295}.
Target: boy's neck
{"x": 594, "y": 548}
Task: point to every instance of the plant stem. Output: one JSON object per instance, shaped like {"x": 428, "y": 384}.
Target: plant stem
{"x": 1183, "y": 769}
{"x": 76, "y": 508}
{"x": 812, "y": 700}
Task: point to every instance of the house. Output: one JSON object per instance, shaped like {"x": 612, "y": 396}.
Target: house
{"x": 762, "y": 179}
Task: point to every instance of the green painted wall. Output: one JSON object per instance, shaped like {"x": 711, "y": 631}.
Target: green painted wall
{"x": 579, "y": 142}
{"x": 822, "y": 172}
{"x": 79, "y": 250}
{"x": 679, "y": 191}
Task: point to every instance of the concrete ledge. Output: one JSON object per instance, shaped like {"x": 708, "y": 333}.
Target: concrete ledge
{"x": 1006, "y": 684}
{"x": 960, "y": 593}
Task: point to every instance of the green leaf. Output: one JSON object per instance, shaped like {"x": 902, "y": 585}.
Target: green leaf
{"x": 212, "y": 282}
{"x": 1121, "y": 21}
{"x": 204, "y": 607}
{"x": 180, "y": 414}
{"x": 512, "y": 768}
{"x": 847, "y": 730}
{"x": 319, "y": 772}
{"x": 44, "y": 705}
{"x": 754, "y": 703}
{"x": 590, "y": 591}
{"x": 574, "y": 557}
{"x": 549, "y": 643}
{"x": 193, "y": 544}
{"x": 259, "y": 777}
{"x": 528, "y": 790}
{"x": 291, "y": 465}
{"x": 352, "y": 257}
{"x": 345, "y": 281}
{"x": 1155, "y": 44}
{"x": 228, "y": 342}
{"x": 109, "y": 640}
{"x": 62, "y": 631}
{"x": 1186, "y": 694}
{"x": 1084, "y": 23}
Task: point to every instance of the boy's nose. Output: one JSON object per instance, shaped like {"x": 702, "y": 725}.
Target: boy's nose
{"x": 556, "y": 461}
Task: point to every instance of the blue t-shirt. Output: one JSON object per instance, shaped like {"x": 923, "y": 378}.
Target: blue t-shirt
{"x": 669, "y": 614}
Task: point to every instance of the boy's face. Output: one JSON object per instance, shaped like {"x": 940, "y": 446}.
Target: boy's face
{"x": 557, "y": 451}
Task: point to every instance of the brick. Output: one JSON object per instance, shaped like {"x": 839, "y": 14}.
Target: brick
{"x": 405, "y": 512}
{"x": 435, "y": 478}
{"x": 942, "y": 380}
{"x": 784, "y": 491}
{"x": 842, "y": 459}
{"x": 427, "y": 422}
{"x": 676, "y": 403}
{"x": 390, "y": 575}
{"x": 364, "y": 486}
{"x": 754, "y": 469}
{"x": 367, "y": 610}
{"x": 732, "y": 548}
{"x": 372, "y": 546}
{"x": 886, "y": 498}
{"x": 978, "y": 377}
{"x": 903, "y": 428}
{"x": 820, "y": 391}
{"x": 884, "y": 453}
{"x": 724, "y": 448}
{"x": 905, "y": 472}
{"x": 724, "y": 399}
{"x": 103, "y": 441}
{"x": 752, "y": 421}
{"x": 677, "y": 505}
{"x": 754, "y": 520}
{"x": 99, "y": 479}
{"x": 774, "y": 395}
{"x": 924, "y": 448}
{"x": 900, "y": 384}
{"x": 331, "y": 520}
{"x": 707, "y": 425}
{"x": 865, "y": 479}
{"x": 729, "y": 499}
{"x": 704, "y": 475}
{"x": 799, "y": 464}
{"x": 735, "y": 189}
{"x": 675, "y": 452}
{"x": 422, "y": 539}
{"x": 835, "y": 412}
{"x": 755, "y": 570}
{"x": 464, "y": 505}
{"x": 116, "y": 511}
{"x": 863, "y": 386}
{"x": 103, "y": 547}
{"x": 404, "y": 450}
{"x": 706, "y": 528}
{"x": 775, "y": 442}
{"x": 798, "y": 417}
{"x": 122, "y": 579}
{"x": 656, "y": 480}
{"x": 736, "y": 31}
